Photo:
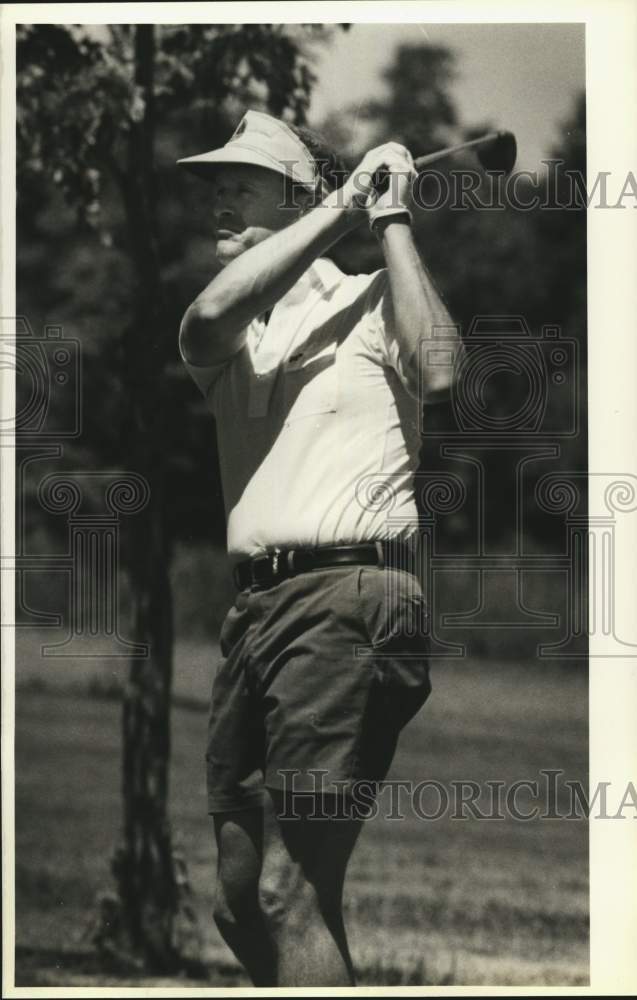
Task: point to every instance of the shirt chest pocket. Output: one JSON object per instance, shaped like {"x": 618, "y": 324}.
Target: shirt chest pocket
{"x": 310, "y": 383}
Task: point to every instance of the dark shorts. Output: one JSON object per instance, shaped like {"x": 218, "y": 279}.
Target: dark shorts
{"x": 320, "y": 674}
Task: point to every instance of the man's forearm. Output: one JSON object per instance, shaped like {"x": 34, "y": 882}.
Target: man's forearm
{"x": 418, "y": 311}
{"x": 256, "y": 280}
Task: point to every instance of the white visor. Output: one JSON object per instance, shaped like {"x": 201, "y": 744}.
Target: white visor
{"x": 262, "y": 141}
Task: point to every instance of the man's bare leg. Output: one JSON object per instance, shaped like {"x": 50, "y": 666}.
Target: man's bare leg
{"x": 237, "y": 913}
{"x": 301, "y": 889}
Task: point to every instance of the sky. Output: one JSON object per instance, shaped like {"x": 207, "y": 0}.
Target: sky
{"x": 523, "y": 77}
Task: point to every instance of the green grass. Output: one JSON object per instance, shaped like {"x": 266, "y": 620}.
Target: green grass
{"x": 453, "y": 901}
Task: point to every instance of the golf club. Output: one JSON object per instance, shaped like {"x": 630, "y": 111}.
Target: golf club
{"x": 496, "y": 151}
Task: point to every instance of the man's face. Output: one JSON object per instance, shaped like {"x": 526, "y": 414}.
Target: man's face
{"x": 247, "y": 208}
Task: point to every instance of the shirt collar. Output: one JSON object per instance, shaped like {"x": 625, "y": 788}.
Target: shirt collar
{"x": 321, "y": 276}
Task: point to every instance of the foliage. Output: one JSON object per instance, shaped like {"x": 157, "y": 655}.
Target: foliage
{"x": 78, "y": 96}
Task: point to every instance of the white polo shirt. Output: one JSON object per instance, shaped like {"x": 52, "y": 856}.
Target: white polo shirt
{"x": 318, "y": 435}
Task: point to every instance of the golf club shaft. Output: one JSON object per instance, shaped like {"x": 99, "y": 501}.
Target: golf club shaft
{"x": 424, "y": 161}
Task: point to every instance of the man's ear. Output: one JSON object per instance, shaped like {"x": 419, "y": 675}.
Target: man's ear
{"x": 305, "y": 200}
{"x": 294, "y": 197}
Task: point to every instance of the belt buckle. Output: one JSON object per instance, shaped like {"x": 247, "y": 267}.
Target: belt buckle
{"x": 254, "y": 563}
{"x": 275, "y": 562}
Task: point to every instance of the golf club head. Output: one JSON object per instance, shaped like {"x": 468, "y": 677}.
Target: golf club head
{"x": 499, "y": 153}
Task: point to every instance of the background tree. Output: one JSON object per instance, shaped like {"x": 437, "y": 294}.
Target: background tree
{"x": 417, "y": 108}
{"x": 103, "y": 112}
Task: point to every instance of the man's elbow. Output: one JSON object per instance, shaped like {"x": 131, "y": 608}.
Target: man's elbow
{"x": 200, "y": 328}
{"x": 205, "y": 336}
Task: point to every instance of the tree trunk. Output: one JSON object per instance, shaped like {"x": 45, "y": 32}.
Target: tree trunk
{"x": 144, "y": 865}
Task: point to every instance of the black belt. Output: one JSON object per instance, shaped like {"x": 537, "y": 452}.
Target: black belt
{"x": 269, "y": 569}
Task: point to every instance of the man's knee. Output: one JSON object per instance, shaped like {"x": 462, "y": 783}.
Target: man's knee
{"x": 291, "y": 899}
{"x": 286, "y": 899}
{"x": 273, "y": 901}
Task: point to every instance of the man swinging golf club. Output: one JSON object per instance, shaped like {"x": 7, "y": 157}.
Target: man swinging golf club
{"x": 316, "y": 380}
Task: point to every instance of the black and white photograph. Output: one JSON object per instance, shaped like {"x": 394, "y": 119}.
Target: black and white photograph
{"x": 319, "y": 502}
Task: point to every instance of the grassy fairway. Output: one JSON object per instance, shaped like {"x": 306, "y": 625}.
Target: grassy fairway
{"x": 458, "y": 901}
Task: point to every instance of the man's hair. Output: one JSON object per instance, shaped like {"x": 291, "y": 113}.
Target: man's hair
{"x": 330, "y": 166}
